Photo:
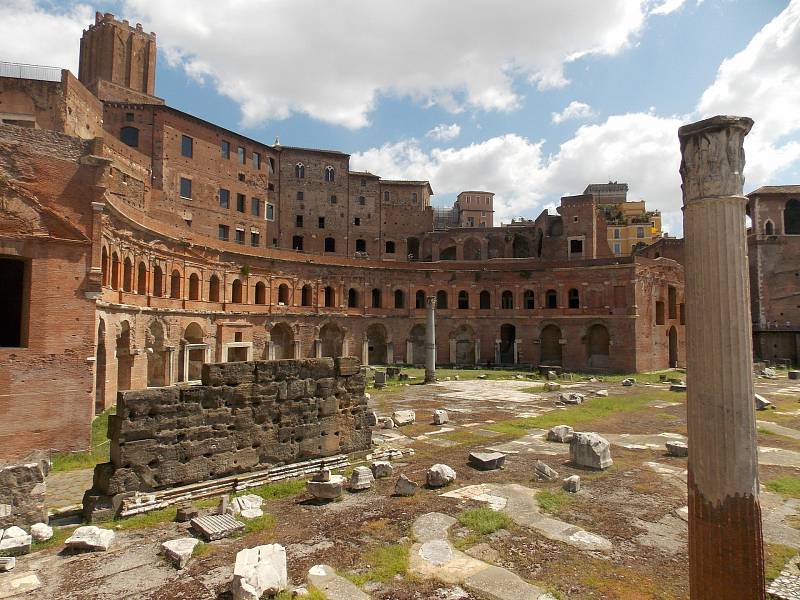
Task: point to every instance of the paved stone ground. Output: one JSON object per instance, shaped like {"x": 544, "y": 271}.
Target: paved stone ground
{"x": 66, "y": 488}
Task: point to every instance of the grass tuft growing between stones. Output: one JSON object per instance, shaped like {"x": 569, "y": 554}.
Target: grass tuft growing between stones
{"x": 203, "y": 549}
{"x": 382, "y": 564}
{"x": 263, "y": 523}
{"x": 484, "y": 520}
{"x": 553, "y": 501}
{"x": 313, "y": 594}
{"x": 775, "y": 557}
{"x": 148, "y": 520}
{"x": 787, "y": 486}
{"x": 278, "y": 489}
{"x": 98, "y": 452}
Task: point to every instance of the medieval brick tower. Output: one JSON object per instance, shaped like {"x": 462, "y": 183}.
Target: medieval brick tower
{"x": 118, "y": 62}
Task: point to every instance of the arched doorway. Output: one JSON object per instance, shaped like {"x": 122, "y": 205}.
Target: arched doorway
{"x": 157, "y": 367}
{"x": 331, "y": 338}
{"x": 416, "y": 345}
{"x": 508, "y": 337}
{"x": 194, "y": 353}
{"x": 464, "y": 338}
{"x": 124, "y": 357}
{"x": 376, "y": 344}
{"x": 598, "y": 344}
{"x": 550, "y": 343}
{"x": 100, "y": 369}
{"x": 673, "y": 346}
{"x": 282, "y": 339}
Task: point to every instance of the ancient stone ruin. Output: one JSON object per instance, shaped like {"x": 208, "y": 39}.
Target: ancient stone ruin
{"x": 244, "y": 416}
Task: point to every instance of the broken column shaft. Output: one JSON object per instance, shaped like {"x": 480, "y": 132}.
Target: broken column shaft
{"x": 430, "y": 340}
{"x": 725, "y": 540}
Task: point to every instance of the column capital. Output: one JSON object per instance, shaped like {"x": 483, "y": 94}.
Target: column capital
{"x": 712, "y": 157}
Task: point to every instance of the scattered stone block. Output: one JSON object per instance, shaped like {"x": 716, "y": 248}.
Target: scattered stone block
{"x": 41, "y": 532}
{"x": 247, "y": 503}
{"x": 560, "y": 433}
{"x": 335, "y": 587}
{"x": 551, "y": 386}
{"x": 17, "y": 584}
{"x": 405, "y": 487}
{"x": 572, "y": 484}
{"x": 403, "y": 417}
{"x": 677, "y": 448}
{"x": 15, "y": 541}
{"x": 179, "y": 551}
{"x": 602, "y": 393}
{"x": 216, "y": 527}
{"x": 379, "y": 378}
{"x": 7, "y": 563}
{"x": 628, "y": 382}
{"x": 544, "y": 472}
{"x": 259, "y": 571}
{"x": 486, "y": 461}
{"x": 361, "y": 479}
{"x": 677, "y": 387}
{"x": 326, "y": 489}
{"x": 590, "y": 450}
{"x": 185, "y": 513}
{"x": 89, "y": 537}
{"x": 571, "y": 398}
{"x": 440, "y": 417}
{"x": 381, "y": 469}
{"x": 440, "y": 475}
{"x": 761, "y": 402}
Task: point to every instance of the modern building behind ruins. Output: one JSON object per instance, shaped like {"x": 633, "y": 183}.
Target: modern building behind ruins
{"x": 138, "y": 241}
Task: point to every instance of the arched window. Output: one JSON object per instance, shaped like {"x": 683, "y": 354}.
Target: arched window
{"x": 115, "y": 271}
{"x": 236, "y": 292}
{"x": 158, "y": 281}
{"x": 485, "y": 300}
{"x": 127, "y": 276}
{"x": 551, "y": 299}
{"x": 329, "y": 174}
{"x": 791, "y": 217}
{"x": 527, "y": 299}
{"x": 141, "y": 279}
{"x": 104, "y": 266}
{"x": 769, "y": 228}
{"x": 376, "y": 298}
{"x": 194, "y": 287}
{"x": 441, "y": 299}
{"x": 330, "y": 297}
{"x": 399, "y": 299}
{"x": 463, "y": 299}
{"x": 507, "y": 300}
{"x": 213, "y": 289}
{"x": 330, "y": 244}
{"x": 419, "y": 301}
{"x": 573, "y": 298}
{"x": 283, "y": 294}
{"x": 129, "y": 136}
{"x": 175, "y": 284}
{"x": 261, "y": 293}
{"x": 305, "y": 296}
{"x": 352, "y": 298}
{"x": 300, "y": 171}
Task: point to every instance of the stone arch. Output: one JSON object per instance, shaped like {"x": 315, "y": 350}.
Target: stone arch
{"x": 213, "y": 288}
{"x": 104, "y": 266}
{"x": 236, "y": 291}
{"x": 464, "y": 338}
{"x": 528, "y": 300}
{"x": 193, "y": 334}
{"x": 463, "y": 299}
{"x": 306, "y": 295}
{"x": 485, "y": 300}
{"x": 497, "y": 247}
{"x": 158, "y": 281}
{"x": 194, "y": 286}
{"x": 507, "y": 300}
{"x": 175, "y": 284}
{"x": 331, "y": 338}
{"x": 551, "y": 299}
{"x": 769, "y": 228}
{"x": 141, "y": 279}
{"x": 419, "y": 299}
{"x": 377, "y": 344}
{"x": 399, "y": 299}
{"x": 472, "y": 249}
{"x": 115, "y": 270}
{"x": 261, "y": 293}
{"x": 598, "y": 346}
{"x": 448, "y": 253}
{"x": 573, "y": 298}
{"x": 283, "y": 294}
{"x": 441, "y": 299}
{"x": 376, "y": 298}
{"x": 127, "y": 275}
{"x": 352, "y": 298}
{"x": 330, "y": 297}
{"x": 550, "y": 345}
{"x": 416, "y": 343}
{"x": 413, "y": 248}
{"x": 282, "y": 338}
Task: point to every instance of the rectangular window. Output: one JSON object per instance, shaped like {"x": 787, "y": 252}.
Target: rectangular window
{"x": 298, "y": 221}
{"x": 129, "y": 117}
{"x": 362, "y": 201}
{"x": 13, "y": 303}
{"x": 616, "y": 234}
{"x": 255, "y": 207}
{"x": 617, "y": 249}
{"x": 242, "y": 155}
{"x": 186, "y": 146}
{"x": 576, "y": 246}
{"x": 300, "y": 196}
{"x": 413, "y": 196}
{"x": 224, "y": 198}
{"x": 356, "y": 221}
{"x": 270, "y": 212}
{"x": 224, "y": 232}
{"x": 470, "y": 222}
{"x": 333, "y": 200}
{"x": 240, "y": 200}
{"x": 255, "y": 239}
{"x": 256, "y": 161}
{"x": 640, "y": 232}
{"x": 186, "y": 188}
{"x": 271, "y": 165}
{"x": 386, "y": 196}
{"x": 240, "y": 236}
{"x": 321, "y": 222}
{"x": 225, "y": 148}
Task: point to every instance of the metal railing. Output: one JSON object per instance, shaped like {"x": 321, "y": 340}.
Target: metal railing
{"x": 23, "y": 71}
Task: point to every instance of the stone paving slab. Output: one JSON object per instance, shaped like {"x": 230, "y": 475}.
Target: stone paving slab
{"x": 335, "y": 587}
{"x": 497, "y": 583}
{"x": 779, "y": 457}
{"x": 17, "y": 583}
{"x": 636, "y": 441}
{"x": 779, "y": 429}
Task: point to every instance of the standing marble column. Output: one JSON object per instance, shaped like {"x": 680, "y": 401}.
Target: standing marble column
{"x": 725, "y": 541}
{"x": 430, "y": 340}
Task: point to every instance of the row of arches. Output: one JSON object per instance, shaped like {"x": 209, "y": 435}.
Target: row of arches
{"x": 516, "y": 245}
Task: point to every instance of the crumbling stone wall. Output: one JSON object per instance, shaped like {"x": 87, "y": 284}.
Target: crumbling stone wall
{"x": 22, "y": 492}
{"x": 245, "y": 416}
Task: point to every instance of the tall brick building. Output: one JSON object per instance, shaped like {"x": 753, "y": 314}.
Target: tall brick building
{"x": 138, "y": 241}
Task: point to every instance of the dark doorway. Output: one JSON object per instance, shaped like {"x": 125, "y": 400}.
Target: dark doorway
{"x": 550, "y": 342}
{"x": 673, "y": 347}
{"x": 12, "y": 299}
{"x": 508, "y": 335}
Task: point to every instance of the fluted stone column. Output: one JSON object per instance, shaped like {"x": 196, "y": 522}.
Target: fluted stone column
{"x": 430, "y": 340}
{"x": 725, "y": 541}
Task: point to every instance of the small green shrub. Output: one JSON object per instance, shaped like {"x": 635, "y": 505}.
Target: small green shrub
{"x": 553, "y": 501}
{"x": 484, "y": 520}
{"x": 383, "y": 564}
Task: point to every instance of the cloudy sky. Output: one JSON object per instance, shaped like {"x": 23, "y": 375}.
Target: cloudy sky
{"x": 531, "y": 100}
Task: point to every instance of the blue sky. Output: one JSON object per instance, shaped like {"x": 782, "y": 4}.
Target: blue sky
{"x": 375, "y": 78}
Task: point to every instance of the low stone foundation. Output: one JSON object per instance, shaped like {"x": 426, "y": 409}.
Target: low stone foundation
{"x": 22, "y": 492}
{"x": 245, "y": 416}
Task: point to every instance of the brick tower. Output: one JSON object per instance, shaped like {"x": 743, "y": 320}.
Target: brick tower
{"x": 118, "y": 62}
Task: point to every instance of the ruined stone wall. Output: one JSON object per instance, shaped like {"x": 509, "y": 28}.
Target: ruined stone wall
{"x": 245, "y": 416}
{"x": 22, "y": 492}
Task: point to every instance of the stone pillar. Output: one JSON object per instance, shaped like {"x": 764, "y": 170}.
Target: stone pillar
{"x": 477, "y": 350}
{"x": 270, "y": 350}
{"x": 430, "y": 340}
{"x": 390, "y": 353}
{"x": 497, "y": 352}
{"x": 409, "y": 352}
{"x": 297, "y": 348}
{"x": 365, "y": 352}
{"x": 318, "y": 348}
{"x": 725, "y": 541}
{"x": 516, "y": 351}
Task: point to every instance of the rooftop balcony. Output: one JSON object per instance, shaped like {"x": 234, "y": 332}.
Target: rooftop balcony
{"x": 23, "y": 71}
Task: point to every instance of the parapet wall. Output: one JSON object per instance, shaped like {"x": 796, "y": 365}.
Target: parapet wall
{"x": 245, "y": 416}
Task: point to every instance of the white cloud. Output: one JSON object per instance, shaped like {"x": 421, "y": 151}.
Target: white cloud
{"x": 668, "y": 6}
{"x": 35, "y": 34}
{"x": 333, "y": 60}
{"x": 444, "y": 132}
{"x": 574, "y": 110}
